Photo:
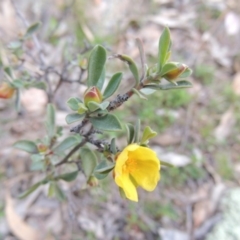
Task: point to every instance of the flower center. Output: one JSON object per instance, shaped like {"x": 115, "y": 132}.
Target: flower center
{"x": 130, "y": 165}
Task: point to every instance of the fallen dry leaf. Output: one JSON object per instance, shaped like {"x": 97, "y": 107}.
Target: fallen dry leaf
{"x": 201, "y": 212}
{"x": 236, "y": 84}
{"x": 225, "y": 126}
{"x": 18, "y": 227}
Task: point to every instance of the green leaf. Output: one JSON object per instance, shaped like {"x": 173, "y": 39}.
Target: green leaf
{"x": 27, "y": 146}
{"x": 32, "y": 29}
{"x": 39, "y": 85}
{"x": 37, "y": 166}
{"x": 139, "y": 94}
{"x": 137, "y": 131}
{"x": 8, "y": 71}
{"x": 66, "y": 144}
{"x": 96, "y": 65}
{"x": 112, "y": 85}
{"x": 130, "y": 133}
{"x": 30, "y": 190}
{"x": 168, "y": 67}
{"x": 147, "y": 134}
{"x": 51, "y": 189}
{"x": 113, "y": 148}
{"x": 33, "y": 188}
{"x": 178, "y": 84}
{"x": 93, "y": 106}
{"x": 37, "y": 157}
{"x": 100, "y": 176}
{"x": 50, "y": 123}
{"x": 89, "y": 161}
{"x": 166, "y": 164}
{"x": 101, "y": 80}
{"x": 59, "y": 131}
{"x": 74, "y": 117}
{"x": 108, "y": 122}
{"x": 82, "y": 109}
{"x": 132, "y": 66}
{"x": 58, "y": 192}
{"x": 68, "y": 177}
{"x": 73, "y": 103}
{"x": 18, "y": 83}
{"x": 105, "y": 169}
{"x": 186, "y": 73}
{"x": 163, "y": 48}
{"x": 14, "y": 45}
{"x": 147, "y": 91}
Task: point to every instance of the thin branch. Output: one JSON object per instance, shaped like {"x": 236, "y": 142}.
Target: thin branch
{"x": 26, "y": 24}
{"x": 65, "y": 159}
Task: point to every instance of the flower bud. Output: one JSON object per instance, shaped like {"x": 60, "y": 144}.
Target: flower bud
{"x": 6, "y": 90}
{"x": 92, "y": 94}
{"x": 92, "y": 181}
{"x": 42, "y": 148}
{"x": 175, "y": 73}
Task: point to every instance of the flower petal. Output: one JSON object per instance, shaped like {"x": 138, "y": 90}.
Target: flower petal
{"x": 144, "y": 154}
{"x": 147, "y": 172}
{"x": 122, "y": 158}
{"x": 147, "y": 175}
{"x": 128, "y": 187}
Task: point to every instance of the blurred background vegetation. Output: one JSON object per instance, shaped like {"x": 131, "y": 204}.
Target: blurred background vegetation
{"x": 198, "y": 127}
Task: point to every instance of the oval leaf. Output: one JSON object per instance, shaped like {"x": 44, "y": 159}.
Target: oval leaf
{"x": 93, "y": 106}
{"x": 101, "y": 80}
{"x": 163, "y": 48}
{"x": 73, "y": 117}
{"x": 178, "y": 84}
{"x": 32, "y": 29}
{"x": 168, "y": 67}
{"x": 27, "y": 146}
{"x": 147, "y": 134}
{"x": 130, "y": 133}
{"x": 33, "y": 188}
{"x": 139, "y": 94}
{"x": 58, "y": 192}
{"x": 147, "y": 91}
{"x": 132, "y": 66}
{"x": 30, "y": 190}
{"x": 39, "y": 85}
{"x": 66, "y": 144}
{"x": 89, "y": 161}
{"x": 106, "y": 169}
{"x": 108, "y": 122}
{"x": 112, "y": 85}
{"x": 101, "y": 176}
{"x": 50, "y": 123}
{"x": 68, "y": 177}
{"x": 186, "y": 73}
{"x": 14, "y": 44}
{"x": 73, "y": 103}
{"x": 137, "y": 130}
{"x": 96, "y": 65}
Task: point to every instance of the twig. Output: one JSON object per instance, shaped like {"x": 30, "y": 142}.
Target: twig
{"x": 201, "y": 232}
{"x": 189, "y": 224}
{"x": 26, "y": 24}
{"x": 65, "y": 159}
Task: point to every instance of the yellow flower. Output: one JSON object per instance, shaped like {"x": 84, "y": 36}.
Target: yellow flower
{"x": 136, "y": 166}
